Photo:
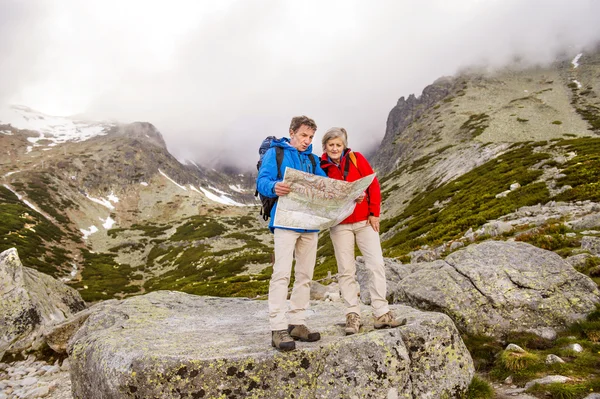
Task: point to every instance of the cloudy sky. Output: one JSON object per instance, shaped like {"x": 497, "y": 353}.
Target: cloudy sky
{"x": 216, "y": 77}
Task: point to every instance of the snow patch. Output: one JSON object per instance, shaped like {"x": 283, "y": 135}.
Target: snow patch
{"x": 107, "y": 223}
{"x": 102, "y": 202}
{"x": 144, "y": 184}
{"x": 220, "y": 199}
{"x": 20, "y": 197}
{"x": 576, "y": 59}
{"x": 11, "y": 173}
{"x": 112, "y": 198}
{"x": 237, "y": 188}
{"x": 577, "y": 83}
{"x": 173, "y": 181}
{"x": 86, "y": 233}
{"x": 71, "y": 275}
{"x": 6, "y": 132}
{"x": 53, "y": 128}
{"x": 194, "y": 189}
{"x": 217, "y": 190}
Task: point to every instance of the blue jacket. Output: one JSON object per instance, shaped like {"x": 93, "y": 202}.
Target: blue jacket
{"x": 292, "y": 158}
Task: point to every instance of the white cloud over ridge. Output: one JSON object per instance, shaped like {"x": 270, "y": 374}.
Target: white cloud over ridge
{"x": 216, "y": 77}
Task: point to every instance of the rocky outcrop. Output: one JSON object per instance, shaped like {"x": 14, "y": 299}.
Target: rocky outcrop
{"x": 166, "y": 344}
{"x": 403, "y": 114}
{"x": 29, "y": 301}
{"x": 496, "y": 287}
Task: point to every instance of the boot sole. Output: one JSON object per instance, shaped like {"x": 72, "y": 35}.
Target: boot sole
{"x": 385, "y": 325}
{"x": 305, "y": 339}
{"x": 284, "y": 349}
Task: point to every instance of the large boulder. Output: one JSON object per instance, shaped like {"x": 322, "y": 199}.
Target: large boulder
{"x": 496, "y": 287}
{"x": 171, "y": 344}
{"x": 30, "y": 301}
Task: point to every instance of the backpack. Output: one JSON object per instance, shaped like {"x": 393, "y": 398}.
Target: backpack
{"x": 267, "y": 202}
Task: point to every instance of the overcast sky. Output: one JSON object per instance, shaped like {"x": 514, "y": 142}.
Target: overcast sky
{"x": 215, "y": 77}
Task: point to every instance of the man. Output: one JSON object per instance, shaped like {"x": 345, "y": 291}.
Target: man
{"x": 290, "y": 243}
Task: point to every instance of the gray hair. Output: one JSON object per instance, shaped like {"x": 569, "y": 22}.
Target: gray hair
{"x": 333, "y": 133}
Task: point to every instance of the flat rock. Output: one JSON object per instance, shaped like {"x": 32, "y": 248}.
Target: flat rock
{"x": 167, "y": 344}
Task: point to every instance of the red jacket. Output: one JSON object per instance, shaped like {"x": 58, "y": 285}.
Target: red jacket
{"x": 372, "y": 202}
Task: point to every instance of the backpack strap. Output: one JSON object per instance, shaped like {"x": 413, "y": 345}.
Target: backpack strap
{"x": 279, "y": 159}
{"x": 314, "y": 163}
{"x": 352, "y": 158}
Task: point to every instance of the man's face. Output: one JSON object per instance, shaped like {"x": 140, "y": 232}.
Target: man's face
{"x": 301, "y": 138}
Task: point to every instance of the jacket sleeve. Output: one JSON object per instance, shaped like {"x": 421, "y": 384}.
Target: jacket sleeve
{"x": 267, "y": 174}
{"x": 374, "y": 190}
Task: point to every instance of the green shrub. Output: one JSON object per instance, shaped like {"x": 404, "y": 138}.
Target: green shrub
{"x": 469, "y": 202}
{"x": 479, "y": 389}
{"x": 517, "y": 361}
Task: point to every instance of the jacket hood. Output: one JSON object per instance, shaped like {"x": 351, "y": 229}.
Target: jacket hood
{"x": 284, "y": 143}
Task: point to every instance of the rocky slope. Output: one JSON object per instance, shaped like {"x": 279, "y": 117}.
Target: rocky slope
{"x": 66, "y": 184}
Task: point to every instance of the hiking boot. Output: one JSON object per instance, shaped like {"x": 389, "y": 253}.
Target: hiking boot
{"x": 387, "y": 320}
{"x": 281, "y": 340}
{"x": 302, "y": 333}
{"x": 352, "y": 323}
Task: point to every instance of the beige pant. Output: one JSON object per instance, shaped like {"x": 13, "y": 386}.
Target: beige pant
{"x": 367, "y": 239}
{"x": 302, "y": 246}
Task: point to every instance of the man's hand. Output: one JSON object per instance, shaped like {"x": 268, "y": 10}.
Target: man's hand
{"x": 282, "y": 188}
{"x": 374, "y": 222}
{"x": 361, "y": 198}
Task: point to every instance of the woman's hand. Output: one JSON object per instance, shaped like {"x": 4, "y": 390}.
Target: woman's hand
{"x": 361, "y": 198}
{"x": 374, "y": 222}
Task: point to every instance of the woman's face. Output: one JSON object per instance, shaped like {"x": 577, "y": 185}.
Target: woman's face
{"x": 334, "y": 148}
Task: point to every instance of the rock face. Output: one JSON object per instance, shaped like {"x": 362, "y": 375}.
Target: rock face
{"x": 170, "y": 344}
{"x": 403, "y": 114}
{"x": 29, "y": 301}
{"x": 496, "y": 287}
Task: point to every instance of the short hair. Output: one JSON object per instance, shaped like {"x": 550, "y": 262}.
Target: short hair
{"x": 333, "y": 133}
{"x": 298, "y": 121}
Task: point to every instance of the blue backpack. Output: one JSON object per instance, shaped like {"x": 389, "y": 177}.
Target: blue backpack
{"x": 267, "y": 202}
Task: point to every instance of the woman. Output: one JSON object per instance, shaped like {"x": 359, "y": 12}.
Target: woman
{"x": 339, "y": 162}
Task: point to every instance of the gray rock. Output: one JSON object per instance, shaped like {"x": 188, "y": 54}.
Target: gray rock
{"x": 514, "y": 348}
{"x": 550, "y": 379}
{"x": 38, "y": 392}
{"x": 591, "y": 244}
{"x": 58, "y": 335}
{"x": 552, "y": 359}
{"x": 578, "y": 260}
{"x": 164, "y": 341}
{"x": 496, "y": 228}
{"x": 29, "y": 301}
{"x": 576, "y": 348}
{"x": 322, "y": 292}
{"x": 544, "y": 332}
{"x": 394, "y": 272}
{"x": 423, "y": 255}
{"x": 593, "y": 396}
{"x": 456, "y": 245}
{"x": 586, "y": 222}
{"x": 496, "y": 287}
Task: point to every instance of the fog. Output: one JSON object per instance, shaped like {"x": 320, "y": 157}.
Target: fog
{"x": 217, "y": 77}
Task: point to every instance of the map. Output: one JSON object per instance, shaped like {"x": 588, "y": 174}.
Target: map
{"x": 317, "y": 202}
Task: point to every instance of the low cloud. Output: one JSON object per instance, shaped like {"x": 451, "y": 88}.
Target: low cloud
{"x": 217, "y": 78}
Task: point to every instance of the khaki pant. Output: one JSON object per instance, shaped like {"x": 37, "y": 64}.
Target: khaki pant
{"x": 367, "y": 239}
{"x": 302, "y": 246}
